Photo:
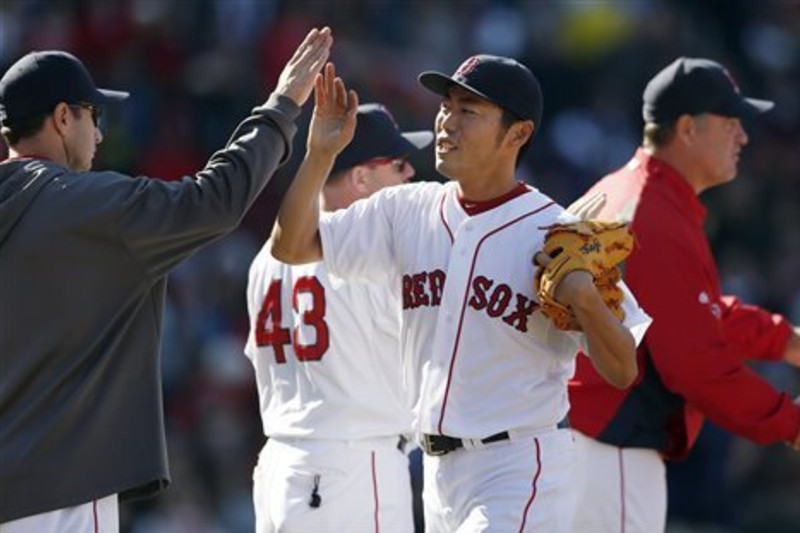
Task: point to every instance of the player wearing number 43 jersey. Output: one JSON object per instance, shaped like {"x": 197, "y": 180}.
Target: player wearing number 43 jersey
{"x": 335, "y": 397}
{"x": 493, "y": 369}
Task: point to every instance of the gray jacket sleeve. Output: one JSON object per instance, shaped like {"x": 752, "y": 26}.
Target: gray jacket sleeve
{"x": 164, "y": 222}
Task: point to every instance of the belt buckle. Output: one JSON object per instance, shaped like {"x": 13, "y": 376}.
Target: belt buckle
{"x": 428, "y": 445}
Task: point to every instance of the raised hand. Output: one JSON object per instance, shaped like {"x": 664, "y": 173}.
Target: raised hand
{"x": 297, "y": 78}
{"x": 334, "y": 120}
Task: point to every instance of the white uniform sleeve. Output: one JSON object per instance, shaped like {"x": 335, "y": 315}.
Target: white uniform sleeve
{"x": 636, "y": 320}
{"x": 357, "y": 242}
{"x": 565, "y": 217}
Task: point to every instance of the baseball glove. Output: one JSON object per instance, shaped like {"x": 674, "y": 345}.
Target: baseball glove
{"x": 593, "y": 246}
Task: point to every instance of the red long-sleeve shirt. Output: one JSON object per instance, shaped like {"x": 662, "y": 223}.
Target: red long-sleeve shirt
{"x": 691, "y": 362}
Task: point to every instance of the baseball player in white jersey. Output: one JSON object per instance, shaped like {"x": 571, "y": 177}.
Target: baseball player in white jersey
{"x": 494, "y": 370}
{"x": 335, "y": 399}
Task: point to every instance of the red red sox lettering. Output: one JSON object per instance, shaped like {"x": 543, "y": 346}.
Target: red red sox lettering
{"x": 425, "y": 288}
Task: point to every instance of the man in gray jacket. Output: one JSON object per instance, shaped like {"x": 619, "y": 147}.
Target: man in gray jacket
{"x": 83, "y": 262}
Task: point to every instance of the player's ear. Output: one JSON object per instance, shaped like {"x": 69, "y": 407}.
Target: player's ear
{"x": 685, "y": 129}
{"x": 61, "y": 118}
{"x": 524, "y": 132}
{"x": 520, "y": 132}
{"x": 359, "y": 179}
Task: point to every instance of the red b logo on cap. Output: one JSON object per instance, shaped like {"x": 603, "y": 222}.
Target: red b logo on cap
{"x": 467, "y": 67}
{"x": 730, "y": 79}
{"x": 388, "y": 115}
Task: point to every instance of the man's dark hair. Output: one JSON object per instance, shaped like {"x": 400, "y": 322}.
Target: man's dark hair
{"x": 337, "y": 176}
{"x": 658, "y": 134}
{"x": 21, "y": 129}
{"x": 27, "y": 127}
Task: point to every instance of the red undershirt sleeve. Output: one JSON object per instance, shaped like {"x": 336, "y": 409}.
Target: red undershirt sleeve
{"x": 689, "y": 342}
{"x": 759, "y": 334}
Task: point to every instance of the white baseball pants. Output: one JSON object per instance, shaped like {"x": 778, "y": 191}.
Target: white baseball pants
{"x": 621, "y": 490}
{"x": 518, "y": 485}
{"x": 360, "y": 486}
{"x": 98, "y": 516}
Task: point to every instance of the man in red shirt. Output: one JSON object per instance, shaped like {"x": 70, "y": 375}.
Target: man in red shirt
{"x": 692, "y": 361}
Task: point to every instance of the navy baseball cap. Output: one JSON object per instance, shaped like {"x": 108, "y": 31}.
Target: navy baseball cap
{"x": 377, "y": 135}
{"x": 501, "y": 80}
{"x": 691, "y": 86}
{"x": 37, "y": 82}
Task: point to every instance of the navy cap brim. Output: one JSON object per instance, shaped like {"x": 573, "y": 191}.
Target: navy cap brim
{"x": 418, "y": 139}
{"x": 107, "y": 96}
{"x": 441, "y": 83}
{"x": 405, "y": 144}
{"x": 753, "y": 106}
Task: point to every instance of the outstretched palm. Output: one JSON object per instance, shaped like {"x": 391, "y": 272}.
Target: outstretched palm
{"x": 334, "y": 119}
{"x": 297, "y": 78}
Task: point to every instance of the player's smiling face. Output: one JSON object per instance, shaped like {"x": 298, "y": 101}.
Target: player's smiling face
{"x": 469, "y": 132}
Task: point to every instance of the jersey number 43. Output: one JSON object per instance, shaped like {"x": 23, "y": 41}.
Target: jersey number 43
{"x": 268, "y": 324}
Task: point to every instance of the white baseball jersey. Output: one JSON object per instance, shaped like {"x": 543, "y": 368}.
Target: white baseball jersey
{"x": 326, "y": 354}
{"x": 488, "y": 358}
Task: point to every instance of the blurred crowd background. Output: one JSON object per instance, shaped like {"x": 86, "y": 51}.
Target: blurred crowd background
{"x": 195, "y": 67}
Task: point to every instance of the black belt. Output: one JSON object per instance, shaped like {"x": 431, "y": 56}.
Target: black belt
{"x": 442, "y": 444}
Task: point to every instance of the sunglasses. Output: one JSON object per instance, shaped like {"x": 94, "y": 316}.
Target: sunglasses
{"x": 96, "y": 111}
{"x": 399, "y": 163}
